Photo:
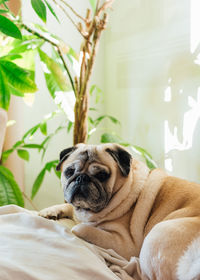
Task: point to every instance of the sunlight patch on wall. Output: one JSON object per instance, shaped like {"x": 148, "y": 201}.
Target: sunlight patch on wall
{"x": 168, "y": 92}
{"x": 194, "y": 26}
{"x": 190, "y": 119}
{"x": 168, "y": 164}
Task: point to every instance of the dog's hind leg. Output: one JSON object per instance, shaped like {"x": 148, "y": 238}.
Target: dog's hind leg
{"x": 164, "y": 251}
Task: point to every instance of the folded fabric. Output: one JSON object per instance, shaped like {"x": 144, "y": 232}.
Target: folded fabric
{"x": 36, "y": 248}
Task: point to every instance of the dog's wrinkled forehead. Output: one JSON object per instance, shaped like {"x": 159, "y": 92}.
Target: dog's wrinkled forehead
{"x": 80, "y": 152}
{"x": 105, "y": 153}
{"x": 84, "y": 153}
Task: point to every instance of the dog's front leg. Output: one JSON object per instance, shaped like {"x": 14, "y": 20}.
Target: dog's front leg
{"x": 57, "y": 212}
{"x": 93, "y": 235}
{"x": 105, "y": 239}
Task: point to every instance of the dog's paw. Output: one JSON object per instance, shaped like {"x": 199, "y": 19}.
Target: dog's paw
{"x": 55, "y": 212}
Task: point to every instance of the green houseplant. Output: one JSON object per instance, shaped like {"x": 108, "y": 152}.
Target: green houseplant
{"x": 23, "y": 42}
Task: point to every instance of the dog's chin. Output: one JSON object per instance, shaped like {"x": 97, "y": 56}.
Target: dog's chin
{"x": 87, "y": 208}
{"x": 93, "y": 200}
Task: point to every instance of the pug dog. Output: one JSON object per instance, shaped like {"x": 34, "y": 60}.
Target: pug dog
{"x": 119, "y": 204}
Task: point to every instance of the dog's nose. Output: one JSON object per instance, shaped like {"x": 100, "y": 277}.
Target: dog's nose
{"x": 82, "y": 179}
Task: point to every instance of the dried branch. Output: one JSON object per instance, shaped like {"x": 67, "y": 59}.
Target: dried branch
{"x": 94, "y": 29}
{"x": 97, "y": 5}
{"x": 76, "y": 85}
{"x": 68, "y": 16}
{"x": 105, "y": 6}
{"x": 76, "y": 14}
{"x": 83, "y": 67}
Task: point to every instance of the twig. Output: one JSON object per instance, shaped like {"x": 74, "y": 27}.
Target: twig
{"x": 83, "y": 66}
{"x": 38, "y": 34}
{"x": 66, "y": 68}
{"x": 68, "y": 16}
{"x": 66, "y": 4}
{"x": 99, "y": 28}
{"x": 94, "y": 30}
{"x": 106, "y": 5}
{"x": 97, "y": 5}
{"x": 57, "y": 48}
{"x": 76, "y": 86}
{"x": 30, "y": 201}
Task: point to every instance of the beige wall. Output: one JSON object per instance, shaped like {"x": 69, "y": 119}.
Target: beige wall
{"x": 152, "y": 74}
{"x": 147, "y": 65}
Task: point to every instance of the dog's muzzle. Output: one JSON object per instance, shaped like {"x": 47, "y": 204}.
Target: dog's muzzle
{"x": 85, "y": 193}
{"x": 80, "y": 188}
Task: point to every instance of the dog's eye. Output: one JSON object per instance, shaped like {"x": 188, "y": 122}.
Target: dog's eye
{"x": 69, "y": 172}
{"x": 102, "y": 176}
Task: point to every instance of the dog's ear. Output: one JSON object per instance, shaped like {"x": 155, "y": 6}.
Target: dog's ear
{"x": 64, "y": 155}
{"x": 123, "y": 159}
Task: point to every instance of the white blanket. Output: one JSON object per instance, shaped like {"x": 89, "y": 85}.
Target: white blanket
{"x": 32, "y": 247}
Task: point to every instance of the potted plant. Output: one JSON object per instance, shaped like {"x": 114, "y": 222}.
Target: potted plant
{"x": 22, "y": 41}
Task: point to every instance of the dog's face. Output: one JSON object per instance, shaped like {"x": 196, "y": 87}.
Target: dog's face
{"x": 91, "y": 174}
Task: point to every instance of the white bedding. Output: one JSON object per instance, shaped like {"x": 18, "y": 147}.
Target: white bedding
{"x": 32, "y": 247}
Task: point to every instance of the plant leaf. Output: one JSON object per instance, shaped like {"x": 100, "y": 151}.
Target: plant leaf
{"x": 95, "y": 90}
{"x": 52, "y": 10}
{"x": 9, "y": 28}
{"x": 23, "y": 154}
{"x": 17, "y": 144}
{"x": 11, "y": 56}
{"x": 3, "y": 1}
{"x": 3, "y": 11}
{"x": 9, "y": 190}
{"x": 114, "y": 120}
{"x": 51, "y": 164}
{"x": 6, "y": 154}
{"x": 70, "y": 124}
{"x": 31, "y": 131}
{"x": 32, "y": 146}
{"x": 56, "y": 80}
{"x": 40, "y": 9}
{"x": 150, "y": 162}
{"x": 99, "y": 119}
{"x": 43, "y": 128}
{"x": 148, "y": 158}
{"x": 38, "y": 182}
{"x": 4, "y": 92}
{"x": 17, "y": 76}
{"x": 16, "y": 92}
{"x": 26, "y": 44}
{"x": 72, "y": 55}
{"x": 141, "y": 150}
{"x": 58, "y": 173}
{"x": 110, "y": 138}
